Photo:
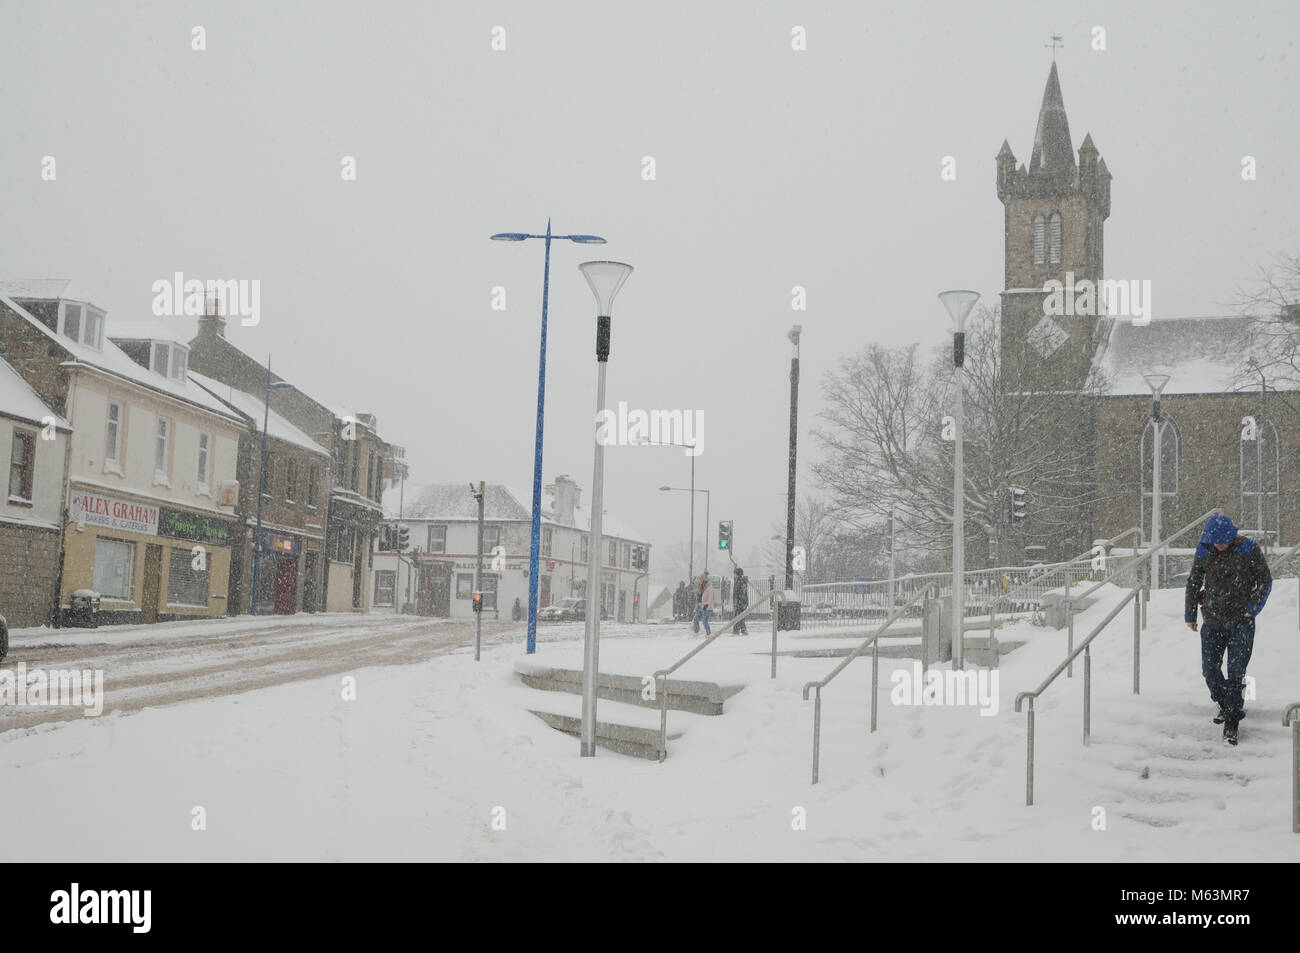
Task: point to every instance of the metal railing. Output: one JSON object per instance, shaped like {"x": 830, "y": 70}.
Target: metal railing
{"x": 872, "y": 641}
{"x": 1291, "y": 719}
{"x": 1140, "y": 586}
{"x": 1284, "y": 558}
{"x": 661, "y": 677}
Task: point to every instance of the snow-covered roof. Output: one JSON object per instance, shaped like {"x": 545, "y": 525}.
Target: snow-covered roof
{"x": 115, "y": 361}
{"x": 43, "y": 288}
{"x": 454, "y": 501}
{"x": 1203, "y": 355}
{"x": 181, "y": 330}
{"x": 253, "y": 407}
{"x": 18, "y": 400}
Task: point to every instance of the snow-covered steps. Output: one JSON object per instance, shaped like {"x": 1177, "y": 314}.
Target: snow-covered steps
{"x": 699, "y": 697}
{"x": 628, "y": 729}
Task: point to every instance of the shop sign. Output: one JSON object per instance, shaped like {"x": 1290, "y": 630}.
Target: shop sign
{"x": 111, "y": 513}
{"x": 195, "y": 527}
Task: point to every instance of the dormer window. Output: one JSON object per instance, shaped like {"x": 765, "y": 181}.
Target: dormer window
{"x": 169, "y": 360}
{"x": 82, "y": 323}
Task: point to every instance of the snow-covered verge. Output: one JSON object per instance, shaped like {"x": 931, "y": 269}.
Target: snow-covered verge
{"x": 442, "y": 760}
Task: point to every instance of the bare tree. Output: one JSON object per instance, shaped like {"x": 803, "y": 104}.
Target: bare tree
{"x": 885, "y": 446}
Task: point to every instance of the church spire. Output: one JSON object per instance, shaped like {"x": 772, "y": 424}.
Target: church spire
{"x": 1053, "y": 154}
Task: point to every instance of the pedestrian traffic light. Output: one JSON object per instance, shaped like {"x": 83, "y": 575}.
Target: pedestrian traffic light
{"x": 724, "y": 534}
{"x": 404, "y": 538}
{"x": 478, "y": 602}
{"x": 1017, "y": 503}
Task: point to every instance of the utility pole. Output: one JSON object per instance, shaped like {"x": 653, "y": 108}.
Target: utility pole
{"x": 477, "y": 598}
{"x": 791, "y": 609}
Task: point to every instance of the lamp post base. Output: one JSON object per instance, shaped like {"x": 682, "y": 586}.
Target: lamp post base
{"x": 587, "y": 750}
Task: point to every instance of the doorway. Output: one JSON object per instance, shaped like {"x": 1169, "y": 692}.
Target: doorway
{"x": 286, "y": 585}
{"x": 152, "y": 586}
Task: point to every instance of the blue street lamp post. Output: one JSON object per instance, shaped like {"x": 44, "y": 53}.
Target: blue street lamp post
{"x": 535, "y": 541}
{"x": 261, "y": 484}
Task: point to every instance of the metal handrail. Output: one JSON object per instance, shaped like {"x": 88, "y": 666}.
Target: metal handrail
{"x": 1291, "y": 718}
{"x": 1085, "y": 647}
{"x": 661, "y": 677}
{"x": 873, "y": 641}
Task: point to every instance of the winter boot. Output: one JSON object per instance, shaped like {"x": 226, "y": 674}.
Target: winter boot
{"x": 1222, "y": 715}
{"x": 1230, "y": 730}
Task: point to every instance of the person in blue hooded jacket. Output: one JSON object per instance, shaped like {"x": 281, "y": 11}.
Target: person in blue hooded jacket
{"x": 1229, "y": 584}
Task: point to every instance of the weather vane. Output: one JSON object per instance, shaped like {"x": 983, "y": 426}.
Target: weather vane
{"x": 1056, "y": 42}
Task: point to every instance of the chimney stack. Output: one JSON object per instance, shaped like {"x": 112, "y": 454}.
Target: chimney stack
{"x": 212, "y": 324}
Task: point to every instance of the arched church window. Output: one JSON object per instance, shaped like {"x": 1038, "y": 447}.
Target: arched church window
{"x": 1054, "y": 238}
{"x": 1168, "y": 472}
{"x": 1040, "y": 240}
{"x": 1260, "y": 478}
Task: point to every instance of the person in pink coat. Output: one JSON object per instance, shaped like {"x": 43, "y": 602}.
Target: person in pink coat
{"x": 703, "y": 605}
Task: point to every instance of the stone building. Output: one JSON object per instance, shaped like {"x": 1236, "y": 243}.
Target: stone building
{"x": 31, "y": 518}
{"x": 1226, "y": 434}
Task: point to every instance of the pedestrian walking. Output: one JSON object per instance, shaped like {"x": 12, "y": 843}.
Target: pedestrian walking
{"x": 516, "y": 611}
{"x": 1229, "y": 584}
{"x": 704, "y": 605}
{"x": 740, "y": 597}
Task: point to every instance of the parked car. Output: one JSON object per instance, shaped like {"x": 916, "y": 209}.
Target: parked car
{"x": 567, "y": 610}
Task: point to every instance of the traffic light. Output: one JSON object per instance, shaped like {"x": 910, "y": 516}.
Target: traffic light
{"x": 1017, "y": 503}
{"x": 404, "y": 538}
{"x": 478, "y": 602}
{"x": 724, "y": 534}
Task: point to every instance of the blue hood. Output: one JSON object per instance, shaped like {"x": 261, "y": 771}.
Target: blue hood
{"x": 1218, "y": 529}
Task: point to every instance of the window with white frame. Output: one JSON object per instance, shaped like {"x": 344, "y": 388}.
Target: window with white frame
{"x": 1260, "y": 479}
{"x": 168, "y": 359}
{"x": 1168, "y": 472}
{"x": 437, "y": 537}
{"x": 82, "y": 323}
{"x": 114, "y": 563}
{"x": 22, "y": 465}
{"x": 547, "y": 537}
{"x": 613, "y": 554}
{"x": 385, "y": 587}
{"x": 113, "y": 444}
{"x": 162, "y": 451}
{"x": 491, "y": 538}
{"x": 205, "y": 453}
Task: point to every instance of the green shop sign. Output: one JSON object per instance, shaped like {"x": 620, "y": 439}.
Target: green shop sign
{"x": 196, "y": 527}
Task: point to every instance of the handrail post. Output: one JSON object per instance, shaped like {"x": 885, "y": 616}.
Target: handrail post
{"x": 1029, "y": 759}
{"x": 663, "y": 718}
{"x": 1069, "y": 638}
{"x": 1087, "y": 693}
{"x": 775, "y": 599}
{"x": 1137, "y": 642}
{"x": 817, "y": 731}
{"x": 875, "y": 679}
{"x": 1291, "y": 716}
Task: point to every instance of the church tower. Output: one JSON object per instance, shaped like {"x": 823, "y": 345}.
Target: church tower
{"x": 1055, "y": 213}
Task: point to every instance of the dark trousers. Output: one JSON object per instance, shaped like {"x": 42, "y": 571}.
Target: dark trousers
{"x": 742, "y": 627}
{"x": 1238, "y": 641}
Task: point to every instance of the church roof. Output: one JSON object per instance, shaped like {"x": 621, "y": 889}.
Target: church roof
{"x": 1053, "y": 152}
{"x": 1201, "y": 355}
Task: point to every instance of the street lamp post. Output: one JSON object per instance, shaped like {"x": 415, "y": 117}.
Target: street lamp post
{"x": 958, "y": 305}
{"x": 605, "y": 279}
{"x": 535, "y": 541}
{"x": 788, "y": 612}
{"x": 1157, "y": 384}
{"x": 261, "y": 483}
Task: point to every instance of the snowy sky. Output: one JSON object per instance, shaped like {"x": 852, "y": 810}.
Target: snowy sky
{"x": 775, "y": 168}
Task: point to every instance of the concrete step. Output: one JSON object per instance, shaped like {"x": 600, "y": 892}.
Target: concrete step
{"x": 627, "y": 729}
{"x": 701, "y": 698}
{"x": 975, "y": 645}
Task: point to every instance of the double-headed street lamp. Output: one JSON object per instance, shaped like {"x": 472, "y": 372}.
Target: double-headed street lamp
{"x": 691, "y": 446}
{"x": 605, "y": 279}
{"x": 535, "y": 542}
{"x": 958, "y": 304}
{"x": 261, "y": 482}
{"x": 708, "y": 503}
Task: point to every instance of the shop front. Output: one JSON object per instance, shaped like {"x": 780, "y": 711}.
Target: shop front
{"x": 149, "y": 562}
{"x": 281, "y": 575}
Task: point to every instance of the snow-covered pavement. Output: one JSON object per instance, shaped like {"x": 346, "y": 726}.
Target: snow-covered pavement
{"x": 439, "y": 758}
